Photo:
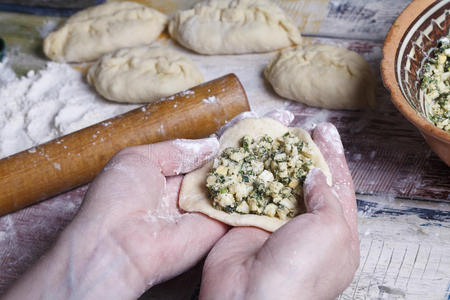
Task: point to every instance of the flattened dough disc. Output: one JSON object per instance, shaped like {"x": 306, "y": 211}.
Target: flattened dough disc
{"x": 194, "y": 195}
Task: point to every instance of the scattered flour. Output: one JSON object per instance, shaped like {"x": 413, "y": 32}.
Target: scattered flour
{"x": 186, "y": 92}
{"x": 161, "y": 130}
{"x": 47, "y": 104}
{"x": 210, "y": 100}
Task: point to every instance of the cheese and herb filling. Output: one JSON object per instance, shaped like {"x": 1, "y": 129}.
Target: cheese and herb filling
{"x": 436, "y": 86}
{"x": 262, "y": 176}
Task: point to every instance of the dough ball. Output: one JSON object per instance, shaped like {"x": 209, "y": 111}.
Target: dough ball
{"x": 143, "y": 74}
{"x": 234, "y": 27}
{"x": 194, "y": 194}
{"x": 323, "y": 75}
{"x": 89, "y": 34}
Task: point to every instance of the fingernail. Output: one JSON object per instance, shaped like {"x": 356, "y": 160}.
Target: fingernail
{"x": 281, "y": 115}
{"x": 331, "y": 136}
{"x": 313, "y": 200}
{"x": 212, "y": 144}
{"x": 197, "y": 146}
{"x": 195, "y": 152}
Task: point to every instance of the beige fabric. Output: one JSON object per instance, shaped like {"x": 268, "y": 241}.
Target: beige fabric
{"x": 323, "y": 75}
{"x": 89, "y": 34}
{"x": 234, "y": 27}
{"x": 194, "y": 195}
{"x": 143, "y": 74}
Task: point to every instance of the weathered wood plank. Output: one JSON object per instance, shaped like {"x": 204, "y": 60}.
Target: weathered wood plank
{"x": 361, "y": 19}
{"x": 75, "y": 4}
{"x": 342, "y": 19}
{"x": 351, "y": 19}
{"x": 23, "y": 35}
{"x": 403, "y": 254}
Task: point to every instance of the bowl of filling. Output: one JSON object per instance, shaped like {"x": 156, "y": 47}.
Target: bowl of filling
{"x": 416, "y": 70}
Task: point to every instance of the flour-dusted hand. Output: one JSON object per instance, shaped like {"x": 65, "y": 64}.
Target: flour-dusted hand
{"x": 314, "y": 256}
{"x": 129, "y": 234}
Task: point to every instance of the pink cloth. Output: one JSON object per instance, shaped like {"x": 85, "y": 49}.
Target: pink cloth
{"x": 26, "y": 234}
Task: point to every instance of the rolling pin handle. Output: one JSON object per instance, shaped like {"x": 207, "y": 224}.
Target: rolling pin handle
{"x": 75, "y": 159}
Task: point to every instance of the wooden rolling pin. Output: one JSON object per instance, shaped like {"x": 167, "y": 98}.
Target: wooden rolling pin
{"x": 75, "y": 159}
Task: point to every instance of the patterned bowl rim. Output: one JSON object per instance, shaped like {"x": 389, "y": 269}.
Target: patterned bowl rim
{"x": 397, "y": 33}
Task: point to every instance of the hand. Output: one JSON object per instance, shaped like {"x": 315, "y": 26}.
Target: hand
{"x": 314, "y": 256}
{"x": 129, "y": 234}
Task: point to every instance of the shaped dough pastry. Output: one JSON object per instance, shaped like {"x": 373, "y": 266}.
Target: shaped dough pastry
{"x": 89, "y": 34}
{"x": 143, "y": 74}
{"x": 323, "y": 75}
{"x": 194, "y": 194}
{"x": 234, "y": 27}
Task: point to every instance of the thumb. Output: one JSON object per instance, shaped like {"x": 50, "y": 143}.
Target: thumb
{"x": 177, "y": 156}
{"x": 319, "y": 197}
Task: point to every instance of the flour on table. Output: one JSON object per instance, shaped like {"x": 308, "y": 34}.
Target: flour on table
{"x": 47, "y": 104}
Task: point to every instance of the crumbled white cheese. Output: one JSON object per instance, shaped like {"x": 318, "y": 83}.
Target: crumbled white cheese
{"x": 436, "y": 86}
{"x": 262, "y": 176}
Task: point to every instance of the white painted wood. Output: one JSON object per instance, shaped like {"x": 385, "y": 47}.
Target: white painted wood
{"x": 361, "y": 19}
{"x": 402, "y": 257}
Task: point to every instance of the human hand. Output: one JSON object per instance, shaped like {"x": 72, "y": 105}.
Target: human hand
{"x": 129, "y": 233}
{"x": 314, "y": 256}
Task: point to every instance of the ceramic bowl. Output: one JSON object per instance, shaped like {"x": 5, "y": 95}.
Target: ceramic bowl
{"x": 411, "y": 39}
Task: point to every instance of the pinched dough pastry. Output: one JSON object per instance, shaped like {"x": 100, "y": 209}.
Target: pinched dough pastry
{"x": 323, "y": 75}
{"x": 143, "y": 74}
{"x": 89, "y": 34}
{"x": 257, "y": 178}
{"x": 234, "y": 27}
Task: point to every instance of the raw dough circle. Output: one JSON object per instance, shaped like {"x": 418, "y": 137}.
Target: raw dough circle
{"x": 323, "y": 75}
{"x": 89, "y": 34}
{"x": 234, "y": 27}
{"x": 143, "y": 74}
{"x": 194, "y": 194}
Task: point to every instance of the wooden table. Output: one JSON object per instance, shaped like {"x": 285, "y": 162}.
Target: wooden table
{"x": 403, "y": 189}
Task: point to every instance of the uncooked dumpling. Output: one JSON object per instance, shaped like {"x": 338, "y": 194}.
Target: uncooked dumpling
{"x": 194, "y": 193}
{"x": 89, "y": 34}
{"x": 143, "y": 74}
{"x": 323, "y": 75}
{"x": 234, "y": 27}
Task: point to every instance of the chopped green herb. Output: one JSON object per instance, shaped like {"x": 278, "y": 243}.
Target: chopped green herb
{"x": 435, "y": 84}
{"x": 258, "y": 173}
